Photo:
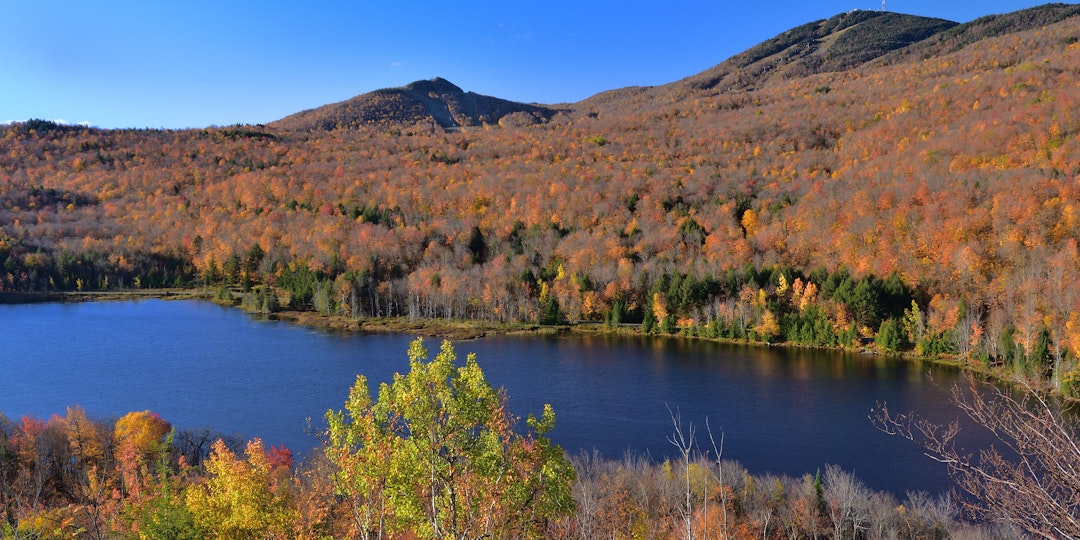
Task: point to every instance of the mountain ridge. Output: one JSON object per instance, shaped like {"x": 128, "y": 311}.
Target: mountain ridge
{"x": 843, "y": 42}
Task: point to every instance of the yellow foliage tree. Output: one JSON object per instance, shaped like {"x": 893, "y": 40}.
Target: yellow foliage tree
{"x": 768, "y": 328}
{"x": 808, "y": 296}
{"x": 750, "y": 223}
{"x": 659, "y": 309}
{"x": 242, "y": 497}
{"x": 87, "y": 440}
{"x": 141, "y": 430}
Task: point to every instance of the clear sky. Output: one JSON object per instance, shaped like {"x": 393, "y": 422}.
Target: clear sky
{"x": 196, "y": 63}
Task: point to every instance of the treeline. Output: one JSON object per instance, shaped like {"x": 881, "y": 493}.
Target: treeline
{"x": 435, "y": 455}
{"x": 776, "y": 305}
{"x": 929, "y": 205}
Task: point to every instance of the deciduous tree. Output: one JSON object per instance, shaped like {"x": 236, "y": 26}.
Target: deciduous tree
{"x": 242, "y": 497}
{"x": 437, "y": 455}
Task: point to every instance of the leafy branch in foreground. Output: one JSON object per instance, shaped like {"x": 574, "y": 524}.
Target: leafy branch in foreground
{"x": 1032, "y": 482}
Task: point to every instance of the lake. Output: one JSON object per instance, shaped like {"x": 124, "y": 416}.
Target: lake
{"x": 201, "y": 365}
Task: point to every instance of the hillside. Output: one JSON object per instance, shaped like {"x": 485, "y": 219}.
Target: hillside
{"x": 840, "y": 43}
{"x": 934, "y": 199}
{"x": 435, "y": 102}
{"x": 843, "y": 42}
{"x": 960, "y": 36}
{"x": 837, "y": 44}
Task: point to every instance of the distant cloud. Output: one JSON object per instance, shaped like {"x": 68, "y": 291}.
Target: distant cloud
{"x": 395, "y": 65}
{"x": 515, "y": 37}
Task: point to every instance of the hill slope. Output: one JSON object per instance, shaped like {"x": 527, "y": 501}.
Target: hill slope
{"x": 840, "y": 43}
{"x": 836, "y": 44}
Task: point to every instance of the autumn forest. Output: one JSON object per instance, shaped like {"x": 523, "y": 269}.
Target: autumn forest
{"x": 923, "y": 197}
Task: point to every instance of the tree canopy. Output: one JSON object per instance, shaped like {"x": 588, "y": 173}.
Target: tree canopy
{"x": 437, "y": 454}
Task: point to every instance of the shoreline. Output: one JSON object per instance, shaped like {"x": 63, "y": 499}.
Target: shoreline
{"x": 459, "y": 330}
{"x": 17, "y": 297}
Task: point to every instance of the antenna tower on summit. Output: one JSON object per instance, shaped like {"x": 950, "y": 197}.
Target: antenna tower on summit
{"x": 882, "y": 5}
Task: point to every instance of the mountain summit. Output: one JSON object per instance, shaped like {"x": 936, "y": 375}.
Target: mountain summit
{"x": 435, "y": 101}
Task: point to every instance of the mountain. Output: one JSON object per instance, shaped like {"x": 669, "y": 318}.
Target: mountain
{"x": 436, "y": 101}
{"x": 839, "y": 43}
{"x": 843, "y": 42}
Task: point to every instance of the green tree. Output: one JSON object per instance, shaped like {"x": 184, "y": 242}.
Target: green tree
{"x": 1039, "y": 359}
{"x": 889, "y": 338}
{"x": 232, "y": 268}
{"x": 550, "y": 312}
{"x": 617, "y": 314}
{"x": 477, "y": 246}
{"x": 1010, "y": 353}
{"x": 162, "y": 515}
{"x": 437, "y": 456}
{"x": 648, "y": 322}
{"x": 866, "y": 301}
{"x": 254, "y": 258}
{"x": 668, "y": 325}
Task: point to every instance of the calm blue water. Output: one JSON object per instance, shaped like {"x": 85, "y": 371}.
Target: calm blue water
{"x": 202, "y": 365}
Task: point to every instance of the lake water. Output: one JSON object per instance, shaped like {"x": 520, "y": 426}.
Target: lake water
{"x": 201, "y": 365}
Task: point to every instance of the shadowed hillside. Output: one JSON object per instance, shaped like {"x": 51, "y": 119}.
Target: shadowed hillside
{"x": 840, "y": 43}
{"x": 961, "y": 36}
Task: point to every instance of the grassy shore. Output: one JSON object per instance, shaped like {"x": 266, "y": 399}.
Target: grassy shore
{"x": 449, "y": 329}
{"x": 101, "y": 296}
{"x": 444, "y": 328}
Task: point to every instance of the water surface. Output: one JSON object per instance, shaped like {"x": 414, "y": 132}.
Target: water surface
{"x": 202, "y": 365}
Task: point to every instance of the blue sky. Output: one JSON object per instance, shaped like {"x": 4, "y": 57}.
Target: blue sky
{"x": 116, "y": 63}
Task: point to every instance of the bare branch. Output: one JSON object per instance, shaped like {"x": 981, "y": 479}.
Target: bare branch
{"x": 1030, "y": 479}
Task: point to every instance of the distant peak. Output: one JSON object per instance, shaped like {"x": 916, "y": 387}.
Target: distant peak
{"x": 432, "y": 102}
{"x": 438, "y": 85}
